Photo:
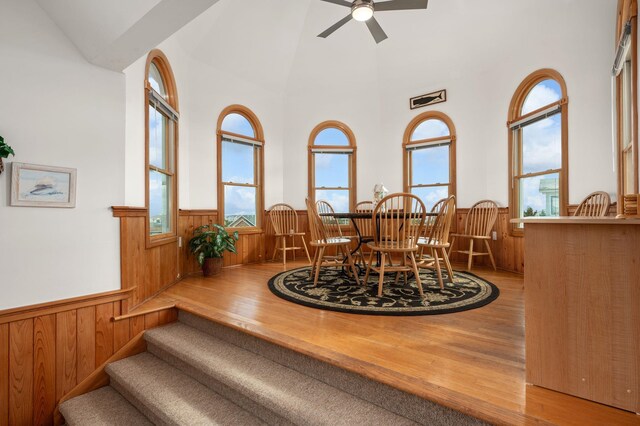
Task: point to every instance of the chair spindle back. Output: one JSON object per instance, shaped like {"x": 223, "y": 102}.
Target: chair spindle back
{"x": 481, "y": 218}
{"x": 284, "y": 219}
{"x": 365, "y": 225}
{"x": 441, "y": 224}
{"x": 399, "y": 219}
{"x": 330, "y": 223}
{"x": 595, "y": 204}
{"x": 315, "y": 223}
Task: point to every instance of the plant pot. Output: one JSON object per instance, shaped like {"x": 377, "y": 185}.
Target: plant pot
{"x": 211, "y": 266}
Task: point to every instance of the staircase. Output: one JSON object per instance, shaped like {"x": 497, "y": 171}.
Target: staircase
{"x": 197, "y": 372}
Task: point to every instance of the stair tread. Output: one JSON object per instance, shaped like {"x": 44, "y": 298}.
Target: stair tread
{"x": 172, "y": 396}
{"x": 293, "y": 395}
{"x": 104, "y": 406}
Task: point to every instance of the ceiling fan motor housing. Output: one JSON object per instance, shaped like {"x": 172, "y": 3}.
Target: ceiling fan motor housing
{"x": 362, "y": 10}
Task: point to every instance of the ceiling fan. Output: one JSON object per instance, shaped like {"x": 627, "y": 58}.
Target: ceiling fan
{"x": 363, "y": 10}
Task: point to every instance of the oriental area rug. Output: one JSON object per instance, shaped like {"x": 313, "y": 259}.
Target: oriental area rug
{"x": 338, "y": 292}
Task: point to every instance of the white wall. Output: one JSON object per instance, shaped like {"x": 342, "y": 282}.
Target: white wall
{"x": 480, "y": 59}
{"x": 56, "y": 109}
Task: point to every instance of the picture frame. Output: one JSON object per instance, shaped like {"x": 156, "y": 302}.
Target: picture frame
{"x": 35, "y": 185}
{"x": 428, "y": 99}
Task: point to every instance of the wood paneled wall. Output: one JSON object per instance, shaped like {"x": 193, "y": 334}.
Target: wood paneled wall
{"x": 45, "y": 350}
{"x": 148, "y": 270}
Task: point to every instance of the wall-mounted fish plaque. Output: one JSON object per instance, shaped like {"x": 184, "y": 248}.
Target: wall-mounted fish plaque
{"x": 428, "y": 99}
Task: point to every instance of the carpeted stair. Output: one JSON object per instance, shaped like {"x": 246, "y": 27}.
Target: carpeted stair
{"x": 197, "y": 372}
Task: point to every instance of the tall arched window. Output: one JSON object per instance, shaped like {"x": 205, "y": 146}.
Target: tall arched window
{"x": 538, "y": 146}
{"x": 430, "y": 157}
{"x": 240, "y": 168}
{"x": 332, "y": 165}
{"x": 161, "y": 99}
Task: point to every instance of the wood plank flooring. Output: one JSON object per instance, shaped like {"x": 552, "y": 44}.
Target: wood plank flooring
{"x": 471, "y": 361}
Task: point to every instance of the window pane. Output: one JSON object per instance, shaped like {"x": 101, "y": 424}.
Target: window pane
{"x": 540, "y": 196}
{"x": 155, "y": 80}
{"x": 544, "y": 93}
{"x": 431, "y": 194}
{"x": 332, "y": 170}
{"x": 332, "y": 136}
{"x": 157, "y": 138}
{"x": 237, "y": 163}
{"x": 238, "y": 124}
{"x": 542, "y": 145}
{"x": 430, "y": 165}
{"x": 159, "y": 190}
{"x": 239, "y": 206}
{"x": 431, "y": 128}
{"x": 338, "y": 198}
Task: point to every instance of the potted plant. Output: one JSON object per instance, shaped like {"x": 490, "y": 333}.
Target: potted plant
{"x": 209, "y": 244}
{"x": 5, "y": 151}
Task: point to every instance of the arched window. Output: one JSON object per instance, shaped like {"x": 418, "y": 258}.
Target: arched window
{"x": 240, "y": 168}
{"x": 332, "y": 165}
{"x": 161, "y": 133}
{"x": 538, "y": 146}
{"x": 430, "y": 157}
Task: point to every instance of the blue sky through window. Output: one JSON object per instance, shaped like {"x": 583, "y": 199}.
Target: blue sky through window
{"x": 155, "y": 80}
{"x": 238, "y": 124}
{"x": 542, "y": 94}
{"x": 331, "y": 136}
{"x": 431, "y": 128}
{"x": 430, "y": 165}
{"x": 332, "y": 170}
{"x": 237, "y": 162}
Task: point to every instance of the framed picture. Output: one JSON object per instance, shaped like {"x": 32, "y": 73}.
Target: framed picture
{"x": 428, "y": 99}
{"x": 42, "y": 186}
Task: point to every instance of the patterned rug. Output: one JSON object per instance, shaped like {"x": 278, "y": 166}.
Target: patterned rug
{"x": 337, "y": 292}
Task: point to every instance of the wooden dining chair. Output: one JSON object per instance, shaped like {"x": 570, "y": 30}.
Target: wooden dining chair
{"x": 433, "y": 247}
{"x": 321, "y": 240}
{"x": 330, "y": 223}
{"x": 595, "y": 204}
{"x": 284, "y": 220}
{"x": 478, "y": 226}
{"x": 399, "y": 219}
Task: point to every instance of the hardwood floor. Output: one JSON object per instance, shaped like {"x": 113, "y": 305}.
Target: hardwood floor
{"x": 471, "y": 361}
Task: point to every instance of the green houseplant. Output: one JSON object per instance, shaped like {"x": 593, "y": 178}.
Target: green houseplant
{"x": 5, "y": 151}
{"x": 209, "y": 243}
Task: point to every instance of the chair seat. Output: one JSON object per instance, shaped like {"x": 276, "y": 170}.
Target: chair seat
{"x": 422, "y": 241}
{"x": 289, "y": 234}
{"x": 479, "y": 237}
{"x": 393, "y": 246}
{"x": 331, "y": 241}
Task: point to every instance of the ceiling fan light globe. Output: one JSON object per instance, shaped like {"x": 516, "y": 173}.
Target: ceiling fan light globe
{"x": 362, "y": 12}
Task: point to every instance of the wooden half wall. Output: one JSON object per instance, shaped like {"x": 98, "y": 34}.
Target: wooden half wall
{"x": 45, "y": 350}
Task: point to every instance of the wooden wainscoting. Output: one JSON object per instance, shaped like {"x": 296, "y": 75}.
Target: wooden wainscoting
{"x": 250, "y": 246}
{"x": 147, "y": 269}
{"x": 46, "y": 349}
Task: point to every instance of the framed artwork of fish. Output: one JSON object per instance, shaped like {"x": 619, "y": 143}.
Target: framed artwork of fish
{"x": 42, "y": 186}
{"x": 428, "y": 99}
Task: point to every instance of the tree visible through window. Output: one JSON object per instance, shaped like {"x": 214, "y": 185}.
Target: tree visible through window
{"x": 332, "y": 165}
{"x": 240, "y": 176}
{"x": 430, "y": 157}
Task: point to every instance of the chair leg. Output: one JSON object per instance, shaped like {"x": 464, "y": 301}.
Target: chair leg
{"x": 313, "y": 263}
{"x": 293, "y": 244}
{"x": 284, "y": 251}
{"x": 366, "y": 275}
{"x": 352, "y": 264}
{"x": 275, "y": 249}
{"x": 318, "y": 265}
{"x": 381, "y": 272}
{"x": 493, "y": 262}
{"x": 304, "y": 244}
{"x": 470, "y": 261}
{"x": 438, "y": 270}
{"x": 453, "y": 241}
{"x": 414, "y": 266}
{"x": 448, "y": 264}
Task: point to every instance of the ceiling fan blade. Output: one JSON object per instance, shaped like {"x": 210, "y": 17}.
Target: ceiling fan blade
{"x": 339, "y": 2}
{"x": 376, "y": 30}
{"x": 326, "y": 33}
{"x": 400, "y": 5}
